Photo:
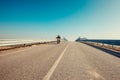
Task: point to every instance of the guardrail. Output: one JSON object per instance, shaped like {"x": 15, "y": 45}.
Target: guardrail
{"x": 12, "y": 45}
{"x": 104, "y": 45}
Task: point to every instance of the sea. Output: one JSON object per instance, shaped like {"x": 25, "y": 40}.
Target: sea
{"x": 6, "y": 42}
{"x": 111, "y": 42}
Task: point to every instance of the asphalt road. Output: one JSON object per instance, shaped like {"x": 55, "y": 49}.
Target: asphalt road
{"x": 65, "y": 61}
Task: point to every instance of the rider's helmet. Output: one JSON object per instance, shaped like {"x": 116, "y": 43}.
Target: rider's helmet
{"x": 58, "y": 37}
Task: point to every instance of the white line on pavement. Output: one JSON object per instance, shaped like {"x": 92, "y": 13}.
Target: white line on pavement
{"x": 47, "y": 77}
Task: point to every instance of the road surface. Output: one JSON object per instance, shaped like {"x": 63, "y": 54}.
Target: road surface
{"x": 65, "y": 61}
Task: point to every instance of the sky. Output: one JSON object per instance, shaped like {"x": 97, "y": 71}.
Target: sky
{"x": 45, "y": 19}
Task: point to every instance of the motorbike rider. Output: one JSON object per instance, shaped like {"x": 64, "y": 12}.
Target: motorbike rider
{"x": 58, "y": 39}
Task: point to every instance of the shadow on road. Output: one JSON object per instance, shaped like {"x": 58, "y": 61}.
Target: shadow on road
{"x": 117, "y": 54}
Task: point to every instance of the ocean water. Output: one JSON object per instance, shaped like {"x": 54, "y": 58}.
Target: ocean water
{"x": 6, "y": 42}
{"x": 15, "y": 42}
{"x": 111, "y": 42}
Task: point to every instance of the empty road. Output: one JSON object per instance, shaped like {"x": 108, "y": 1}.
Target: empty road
{"x": 65, "y": 61}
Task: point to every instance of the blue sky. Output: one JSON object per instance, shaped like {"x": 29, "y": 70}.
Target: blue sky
{"x": 44, "y": 19}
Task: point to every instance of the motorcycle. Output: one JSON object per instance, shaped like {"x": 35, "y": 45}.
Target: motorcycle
{"x": 58, "y": 41}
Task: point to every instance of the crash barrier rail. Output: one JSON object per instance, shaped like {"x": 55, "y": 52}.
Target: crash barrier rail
{"x": 104, "y": 45}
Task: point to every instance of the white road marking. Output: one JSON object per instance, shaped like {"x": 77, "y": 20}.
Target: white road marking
{"x": 12, "y": 52}
{"x": 47, "y": 77}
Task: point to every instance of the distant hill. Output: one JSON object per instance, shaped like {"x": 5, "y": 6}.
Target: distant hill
{"x": 80, "y": 39}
